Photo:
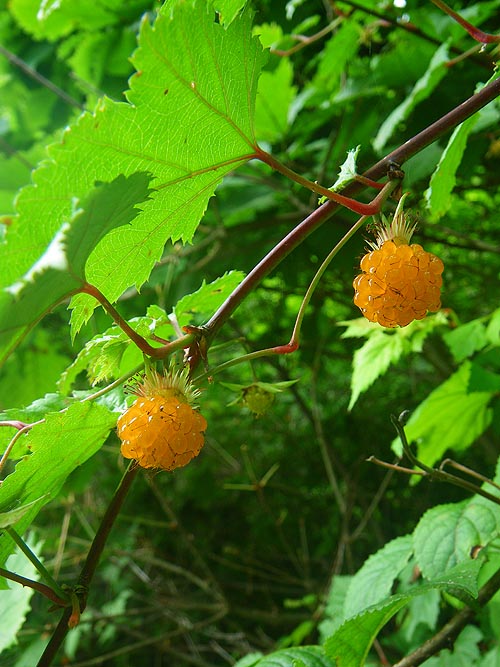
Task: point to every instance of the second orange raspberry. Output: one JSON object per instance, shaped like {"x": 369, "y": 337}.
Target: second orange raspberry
{"x": 399, "y": 282}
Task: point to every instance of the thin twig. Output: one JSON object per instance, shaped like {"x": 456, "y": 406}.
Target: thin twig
{"x": 395, "y": 466}
{"x": 469, "y": 471}
{"x": 306, "y": 40}
{"x": 436, "y": 473}
{"x": 27, "y": 69}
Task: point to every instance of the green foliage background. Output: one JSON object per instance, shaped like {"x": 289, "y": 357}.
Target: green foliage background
{"x": 257, "y": 546}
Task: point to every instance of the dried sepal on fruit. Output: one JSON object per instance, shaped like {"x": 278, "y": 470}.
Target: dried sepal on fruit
{"x": 162, "y": 429}
{"x": 399, "y": 282}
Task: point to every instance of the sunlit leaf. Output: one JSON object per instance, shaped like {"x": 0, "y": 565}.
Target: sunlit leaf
{"x": 196, "y": 307}
{"x": 305, "y": 656}
{"x": 373, "y": 359}
{"x": 349, "y": 645}
{"x": 450, "y": 418}
{"x": 373, "y": 582}
{"x": 188, "y": 123}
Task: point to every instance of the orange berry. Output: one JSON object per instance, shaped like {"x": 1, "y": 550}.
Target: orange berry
{"x": 161, "y": 429}
{"x": 399, "y": 282}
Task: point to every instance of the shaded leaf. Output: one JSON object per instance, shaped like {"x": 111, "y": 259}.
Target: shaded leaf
{"x": 59, "y": 445}
{"x": 335, "y": 604}
{"x": 28, "y": 303}
{"x": 53, "y": 19}
{"x": 421, "y": 90}
{"x": 109, "y": 206}
{"x": 60, "y": 271}
{"x": 275, "y": 95}
{"x": 11, "y": 517}
{"x": 466, "y": 339}
{"x": 438, "y": 195}
{"x": 339, "y": 50}
{"x": 465, "y": 652}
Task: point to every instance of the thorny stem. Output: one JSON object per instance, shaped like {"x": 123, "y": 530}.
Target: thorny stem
{"x": 36, "y": 585}
{"x": 468, "y": 471}
{"x": 317, "y": 218}
{"x": 431, "y": 133}
{"x": 105, "y": 527}
{"x": 293, "y": 344}
{"x": 90, "y": 565}
{"x": 358, "y": 207}
{"x": 305, "y": 40}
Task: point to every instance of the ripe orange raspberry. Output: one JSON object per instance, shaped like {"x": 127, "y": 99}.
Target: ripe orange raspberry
{"x": 161, "y": 429}
{"x": 400, "y": 282}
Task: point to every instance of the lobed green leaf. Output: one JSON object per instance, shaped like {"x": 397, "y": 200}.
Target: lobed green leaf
{"x": 189, "y": 121}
